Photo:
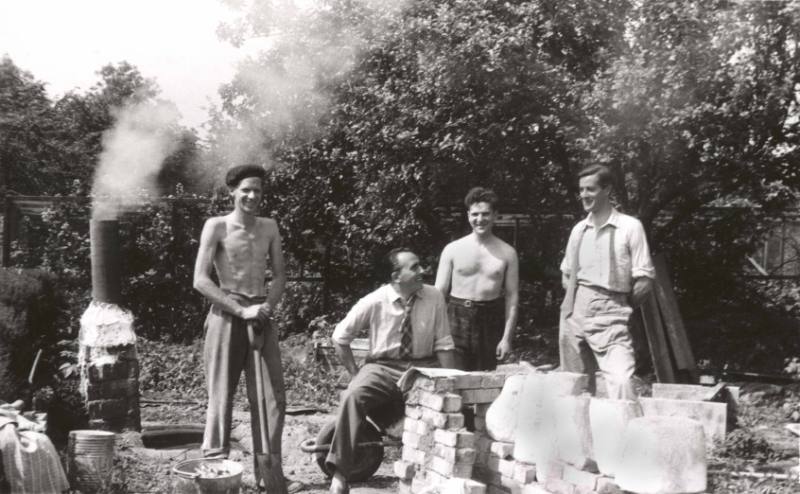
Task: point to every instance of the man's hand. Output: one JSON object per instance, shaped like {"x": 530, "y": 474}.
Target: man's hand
{"x": 503, "y": 349}
{"x": 641, "y": 287}
{"x": 260, "y": 313}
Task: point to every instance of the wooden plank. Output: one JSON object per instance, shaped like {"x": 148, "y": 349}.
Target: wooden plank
{"x": 676, "y": 331}
{"x": 659, "y": 349}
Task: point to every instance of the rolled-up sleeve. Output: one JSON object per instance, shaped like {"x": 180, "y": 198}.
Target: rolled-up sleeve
{"x": 641, "y": 263}
{"x": 443, "y": 339}
{"x": 566, "y": 262}
{"x": 354, "y": 322}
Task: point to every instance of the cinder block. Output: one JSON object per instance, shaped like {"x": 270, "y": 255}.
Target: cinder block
{"x": 441, "y": 384}
{"x": 713, "y": 416}
{"x": 448, "y": 469}
{"x": 413, "y": 412}
{"x": 535, "y": 488}
{"x": 492, "y": 380}
{"x": 501, "y": 449}
{"x": 693, "y": 392}
{"x": 524, "y": 473}
{"x": 463, "y": 486}
{"x": 471, "y": 380}
{"x": 580, "y": 477}
{"x": 419, "y": 427}
{"x": 455, "y": 455}
{"x": 413, "y": 455}
{"x": 446, "y": 402}
{"x": 413, "y": 397}
{"x": 500, "y": 466}
{"x": 512, "y": 485}
{"x": 434, "y": 478}
{"x": 579, "y": 489}
{"x": 480, "y": 423}
{"x": 558, "y": 486}
{"x": 404, "y": 470}
{"x": 443, "y": 420}
{"x": 483, "y": 395}
{"x": 550, "y": 470}
{"x": 606, "y": 485}
{"x": 457, "y": 439}
{"x": 120, "y": 388}
{"x": 109, "y": 371}
{"x": 418, "y": 441}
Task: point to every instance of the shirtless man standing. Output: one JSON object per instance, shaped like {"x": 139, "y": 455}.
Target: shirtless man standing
{"x": 238, "y": 246}
{"x": 481, "y": 274}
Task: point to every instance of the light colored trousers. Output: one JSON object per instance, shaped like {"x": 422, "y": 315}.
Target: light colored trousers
{"x": 226, "y": 353}
{"x": 596, "y": 336}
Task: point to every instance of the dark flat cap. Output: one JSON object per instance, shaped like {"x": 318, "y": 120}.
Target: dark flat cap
{"x": 239, "y": 173}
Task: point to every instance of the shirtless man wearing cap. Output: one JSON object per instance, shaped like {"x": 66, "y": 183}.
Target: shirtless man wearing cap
{"x": 239, "y": 246}
{"x": 481, "y": 274}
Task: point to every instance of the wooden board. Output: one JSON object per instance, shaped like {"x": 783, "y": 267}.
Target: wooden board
{"x": 659, "y": 348}
{"x": 673, "y": 323}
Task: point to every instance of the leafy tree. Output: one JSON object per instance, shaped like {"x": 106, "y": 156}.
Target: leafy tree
{"x": 29, "y": 149}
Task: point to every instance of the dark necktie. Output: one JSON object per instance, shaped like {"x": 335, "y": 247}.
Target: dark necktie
{"x": 406, "y": 339}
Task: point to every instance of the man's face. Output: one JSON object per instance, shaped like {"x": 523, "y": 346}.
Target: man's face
{"x": 409, "y": 274}
{"x": 481, "y": 217}
{"x": 593, "y": 197}
{"x": 247, "y": 195}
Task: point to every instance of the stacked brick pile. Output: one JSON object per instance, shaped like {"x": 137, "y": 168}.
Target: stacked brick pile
{"x": 111, "y": 388}
{"x": 437, "y": 446}
{"x": 441, "y": 455}
{"x": 109, "y": 368}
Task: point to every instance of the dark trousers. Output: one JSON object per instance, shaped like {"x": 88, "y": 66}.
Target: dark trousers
{"x": 477, "y": 328}
{"x": 373, "y": 392}
{"x": 226, "y": 353}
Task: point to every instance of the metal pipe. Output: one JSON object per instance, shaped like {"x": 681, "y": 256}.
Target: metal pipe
{"x": 106, "y": 261}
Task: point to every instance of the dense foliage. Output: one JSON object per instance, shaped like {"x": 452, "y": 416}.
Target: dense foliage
{"x": 28, "y": 305}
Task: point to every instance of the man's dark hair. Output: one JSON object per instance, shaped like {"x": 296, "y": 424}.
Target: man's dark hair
{"x": 241, "y": 172}
{"x": 481, "y": 194}
{"x": 604, "y": 176}
{"x": 391, "y": 264}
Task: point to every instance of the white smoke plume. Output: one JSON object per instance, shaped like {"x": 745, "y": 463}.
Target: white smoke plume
{"x": 289, "y": 98}
{"x": 134, "y": 150}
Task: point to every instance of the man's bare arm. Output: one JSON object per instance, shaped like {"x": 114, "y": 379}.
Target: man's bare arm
{"x": 641, "y": 287}
{"x": 203, "y": 283}
{"x": 511, "y": 289}
{"x": 345, "y": 354}
{"x": 444, "y": 271}
{"x": 278, "y": 266}
{"x": 564, "y": 280}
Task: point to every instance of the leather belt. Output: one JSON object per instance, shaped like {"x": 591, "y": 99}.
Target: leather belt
{"x": 475, "y": 303}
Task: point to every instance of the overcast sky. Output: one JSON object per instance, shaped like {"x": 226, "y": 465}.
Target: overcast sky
{"x": 64, "y": 42}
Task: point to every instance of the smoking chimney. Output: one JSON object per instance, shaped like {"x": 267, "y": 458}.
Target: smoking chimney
{"x": 107, "y": 357}
{"x": 106, "y": 262}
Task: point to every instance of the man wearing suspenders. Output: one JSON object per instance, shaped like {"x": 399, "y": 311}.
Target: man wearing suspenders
{"x": 606, "y": 270}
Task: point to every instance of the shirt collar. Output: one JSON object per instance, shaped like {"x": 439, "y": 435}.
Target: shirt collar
{"x": 613, "y": 220}
{"x": 393, "y": 296}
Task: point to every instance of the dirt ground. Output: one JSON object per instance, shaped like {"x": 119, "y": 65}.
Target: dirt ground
{"x": 764, "y": 446}
{"x": 148, "y": 470}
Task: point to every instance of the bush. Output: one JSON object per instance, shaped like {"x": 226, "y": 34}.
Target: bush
{"x": 28, "y": 308}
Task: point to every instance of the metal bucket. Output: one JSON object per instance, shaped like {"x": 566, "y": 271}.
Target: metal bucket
{"x": 189, "y": 481}
{"x": 90, "y": 456}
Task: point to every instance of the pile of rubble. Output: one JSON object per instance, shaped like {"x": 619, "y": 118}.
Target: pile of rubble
{"x": 520, "y": 431}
